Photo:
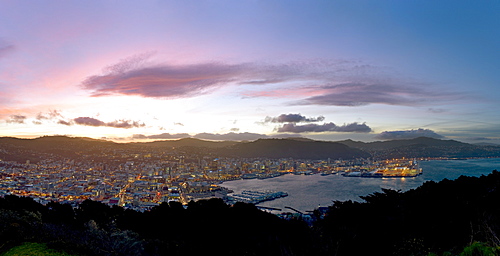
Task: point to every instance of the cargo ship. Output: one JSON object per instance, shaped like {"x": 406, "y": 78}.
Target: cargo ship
{"x": 389, "y": 171}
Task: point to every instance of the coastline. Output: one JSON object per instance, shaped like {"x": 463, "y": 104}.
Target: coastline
{"x": 307, "y": 192}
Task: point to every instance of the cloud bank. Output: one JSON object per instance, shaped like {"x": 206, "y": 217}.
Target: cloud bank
{"x": 162, "y": 81}
{"x": 292, "y": 118}
{"x": 408, "y": 134}
{"x": 89, "y": 121}
{"x": 134, "y": 76}
{"x": 360, "y": 94}
{"x": 327, "y": 127}
{"x": 332, "y": 83}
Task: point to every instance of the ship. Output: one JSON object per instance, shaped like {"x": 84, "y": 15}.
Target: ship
{"x": 393, "y": 170}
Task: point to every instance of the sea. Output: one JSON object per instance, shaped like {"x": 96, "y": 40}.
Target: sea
{"x": 308, "y": 192}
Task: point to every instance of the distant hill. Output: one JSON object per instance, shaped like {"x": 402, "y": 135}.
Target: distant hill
{"x": 487, "y": 144}
{"x": 423, "y": 147}
{"x": 15, "y": 149}
{"x": 20, "y": 150}
{"x": 283, "y": 148}
{"x": 380, "y": 145}
{"x": 189, "y": 142}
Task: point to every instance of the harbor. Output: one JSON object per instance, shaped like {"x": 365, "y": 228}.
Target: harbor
{"x": 307, "y": 192}
{"x": 255, "y": 197}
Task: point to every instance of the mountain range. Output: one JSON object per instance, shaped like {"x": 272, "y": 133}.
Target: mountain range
{"x": 424, "y": 147}
{"x": 15, "y": 149}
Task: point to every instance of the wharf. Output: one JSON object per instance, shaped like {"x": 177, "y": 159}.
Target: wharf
{"x": 255, "y": 197}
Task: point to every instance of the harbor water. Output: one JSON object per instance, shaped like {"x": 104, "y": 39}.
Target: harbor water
{"x": 307, "y": 192}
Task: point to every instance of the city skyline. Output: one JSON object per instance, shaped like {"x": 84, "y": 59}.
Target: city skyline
{"x": 223, "y": 70}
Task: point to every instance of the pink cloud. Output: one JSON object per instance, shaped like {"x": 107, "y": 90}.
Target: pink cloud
{"x": 133, "y": 77}
{"x": 320, "y": 83}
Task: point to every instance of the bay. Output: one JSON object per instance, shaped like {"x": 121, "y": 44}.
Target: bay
{"x": 307, "y": 192}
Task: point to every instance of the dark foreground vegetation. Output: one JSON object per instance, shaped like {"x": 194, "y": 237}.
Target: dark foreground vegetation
{"x": 438, "y": 218}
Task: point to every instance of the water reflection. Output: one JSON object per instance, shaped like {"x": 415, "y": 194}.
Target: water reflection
{"x": 306, "y": 192}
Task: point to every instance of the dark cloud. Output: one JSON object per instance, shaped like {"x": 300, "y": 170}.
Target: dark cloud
{"x": 89, "y": 121}
{"x": 52, "y": 114}
{"x": 41, "y": 116}
{"x": 292, "y": 118}
{"x": 235, "y": 129}
{"x": 125, "y": 124}
{"x": 327, "y": 127}
{"x": 179, "y": 124}
{"x": 64, "y": 122}
{"x": 359, "y": 94}
{"x": 16, "y": 119}
{"x": 408, "y": 134}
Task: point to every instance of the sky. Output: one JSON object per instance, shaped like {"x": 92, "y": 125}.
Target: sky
{"x": 243, "y": 70}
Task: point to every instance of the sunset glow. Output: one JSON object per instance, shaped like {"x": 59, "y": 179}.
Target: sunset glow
{"x": 243, "y": 70}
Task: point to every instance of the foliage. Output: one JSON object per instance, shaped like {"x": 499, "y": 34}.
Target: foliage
{"x": 33, "y": 249}
{"x": 474, "y": 249}
{"x": 434, "y": 217}
{"x": 444, "y": 218}
{"x": 480, "y": 249}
